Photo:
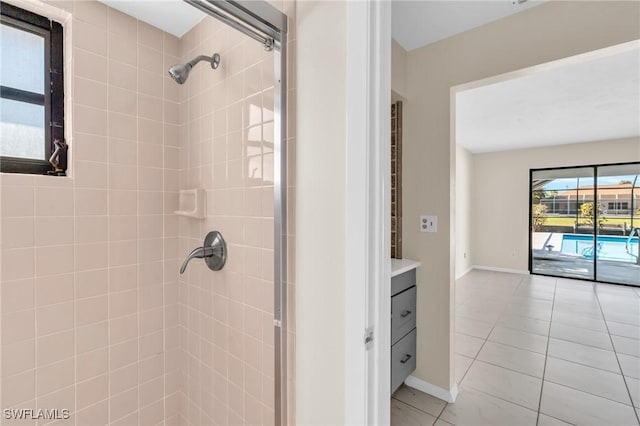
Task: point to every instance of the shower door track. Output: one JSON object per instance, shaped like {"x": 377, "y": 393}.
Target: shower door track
{"x": 267, "y": 25}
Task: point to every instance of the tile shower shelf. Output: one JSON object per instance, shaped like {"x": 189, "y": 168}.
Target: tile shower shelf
{"x": 192, "y": 203}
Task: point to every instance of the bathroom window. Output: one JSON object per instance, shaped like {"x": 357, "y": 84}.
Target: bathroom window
{"x": 31, "y": 93}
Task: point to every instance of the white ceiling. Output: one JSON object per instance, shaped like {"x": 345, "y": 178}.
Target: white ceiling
{"x": 579, "y": 99}
{"x": 173, "y": 16}
{"x": 416, "y": 23}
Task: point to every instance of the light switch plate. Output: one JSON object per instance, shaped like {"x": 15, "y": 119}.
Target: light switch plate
{"x": 428, "y": 223}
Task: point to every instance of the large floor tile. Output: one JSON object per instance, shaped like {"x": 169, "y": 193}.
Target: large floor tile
{"x": 420, "y": 400}
{"x": 474, "y": 408}
{"x": 462, "y": 364}
{"x": 626, "y": 346}
{"x": 583, "y": 354}
{"x": 634, "y": 390}
{"x": 568, "y": 284}
{"x": 535, "y": 292}
{"x": 624, "y": 330}
{"x": 473, "y": 327}
{"x": 542, "y": 313}
{"x": 513, "y": 358}
{"x": 531, "y": 322}
{"x": 581, "y": 408}
{"x": 519, "y": 339}
{"x": 580, "y": 321}
{"x": 587, "y": 379}
{"x": 544, "y": 420}
{"x": 468, "y": 345}
{"x": 530, "y": 325}
{"x": 622, "y": 317}
{"x": 405, "y": 415}
{"x": 581, "y": 335}
{"x": 630, "y": 365}
{"x": 625, "y": 305}
{"x": 485, "y": 313}
{"x": 441, "y": 422}
{"x": 509, "y": 385}
{"x": 529, "y": 302}
{"x": 585, "y": 311}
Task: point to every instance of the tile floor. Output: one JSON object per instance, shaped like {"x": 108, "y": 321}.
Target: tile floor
{"x": 537, "y": 350}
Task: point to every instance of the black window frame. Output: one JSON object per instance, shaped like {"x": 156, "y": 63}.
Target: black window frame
{"x": 53, "y": 98}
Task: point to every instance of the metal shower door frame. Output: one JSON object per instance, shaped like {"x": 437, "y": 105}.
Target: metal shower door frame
{"x": 267, "y": 25}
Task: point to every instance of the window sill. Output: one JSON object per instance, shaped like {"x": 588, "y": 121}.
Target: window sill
{"x": 26, "y": 166}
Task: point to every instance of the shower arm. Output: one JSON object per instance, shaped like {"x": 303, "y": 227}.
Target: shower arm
{"x": 213, "y": 60}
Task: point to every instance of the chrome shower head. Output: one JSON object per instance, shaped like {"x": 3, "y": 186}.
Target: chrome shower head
{"x": 180, "y": 72}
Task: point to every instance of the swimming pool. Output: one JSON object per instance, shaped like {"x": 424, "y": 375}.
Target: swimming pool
{"x": 608, "y": 247}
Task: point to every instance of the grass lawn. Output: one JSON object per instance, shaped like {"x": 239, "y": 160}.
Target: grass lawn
{"x": 569, "y": 221}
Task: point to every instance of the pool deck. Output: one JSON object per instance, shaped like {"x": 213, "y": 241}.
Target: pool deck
{"x": 553, "y": 262}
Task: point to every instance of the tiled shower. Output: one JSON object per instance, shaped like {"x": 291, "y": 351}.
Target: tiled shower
{"x": 95, "y": 317}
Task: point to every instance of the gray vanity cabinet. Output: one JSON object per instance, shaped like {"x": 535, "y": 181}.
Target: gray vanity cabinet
{"x": 403, "y": 327}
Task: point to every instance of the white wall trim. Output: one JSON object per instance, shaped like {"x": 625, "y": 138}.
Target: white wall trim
{"x": 510, "y": 271}
{"x": 367, "y": 212}
{"x": 433, "y": 390}
{"x": 463, "y": 273}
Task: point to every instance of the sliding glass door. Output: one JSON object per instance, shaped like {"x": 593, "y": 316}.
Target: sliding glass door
{"x": 618, "y": 224}
{"x": 584, "y": 222}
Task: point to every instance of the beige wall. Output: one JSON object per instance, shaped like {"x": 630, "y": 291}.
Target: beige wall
{"x": 465, "y": 211}
{"x": 398, "y": 71}
{"x": 553, "y": 30}
{"x": 321, "y": 134}
{"x": 502, "y": 179}
{"x": 88, "y": 308}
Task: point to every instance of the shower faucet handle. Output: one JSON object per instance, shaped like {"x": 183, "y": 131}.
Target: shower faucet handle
{"x": 213, "y": 251}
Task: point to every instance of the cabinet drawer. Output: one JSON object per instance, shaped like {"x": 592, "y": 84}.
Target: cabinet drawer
{"x": 403, "y": 314}
{"x": 403, "y": 360}
{"x": 403, "y": 281}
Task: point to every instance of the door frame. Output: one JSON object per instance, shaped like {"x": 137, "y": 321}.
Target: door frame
{"x": 368, "y": 213}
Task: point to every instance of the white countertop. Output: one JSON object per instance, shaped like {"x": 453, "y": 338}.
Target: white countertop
{"x": 398, "y": 266}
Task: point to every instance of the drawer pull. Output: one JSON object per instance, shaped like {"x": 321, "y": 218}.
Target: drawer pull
{"x": 406, "y": 358}
{"x": 405, "y": 314}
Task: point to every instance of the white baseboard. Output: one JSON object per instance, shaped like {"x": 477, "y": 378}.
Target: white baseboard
{"x": 465, "y": 272}
{"x": 510, "y": 271}
{"x": 433, "y": 390}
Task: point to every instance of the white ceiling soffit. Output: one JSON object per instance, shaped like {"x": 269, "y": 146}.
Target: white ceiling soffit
{"x": 172, "y": 16}
{"x": 590, "y": 97}
{"x": 416, "y": 23}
